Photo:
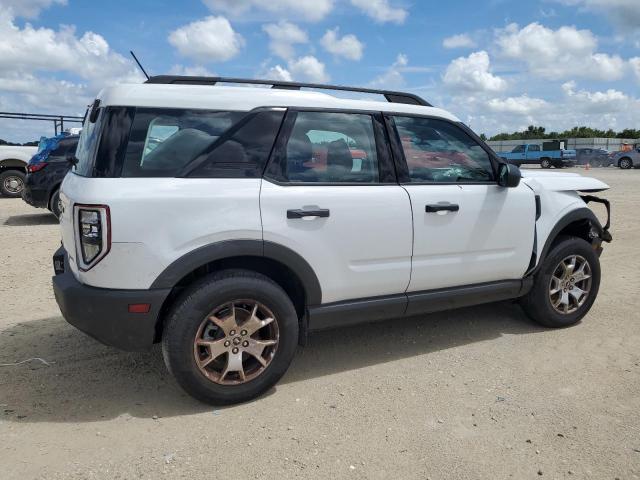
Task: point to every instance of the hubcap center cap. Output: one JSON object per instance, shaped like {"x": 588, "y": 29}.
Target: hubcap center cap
{"x": 236, "y": 341}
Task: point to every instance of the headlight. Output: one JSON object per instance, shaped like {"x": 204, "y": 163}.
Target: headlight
{"x": 93, "y": 239}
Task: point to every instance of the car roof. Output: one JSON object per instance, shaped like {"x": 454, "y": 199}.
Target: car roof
{"x": 210, "y": 97}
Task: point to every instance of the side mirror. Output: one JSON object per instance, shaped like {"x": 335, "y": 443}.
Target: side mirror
{"x": 508, "y": 175}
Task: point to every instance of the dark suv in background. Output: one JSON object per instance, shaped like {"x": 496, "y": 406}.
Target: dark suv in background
{"x": 46, "y": 170}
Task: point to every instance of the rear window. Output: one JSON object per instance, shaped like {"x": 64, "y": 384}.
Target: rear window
{"x": 158, "y": 142}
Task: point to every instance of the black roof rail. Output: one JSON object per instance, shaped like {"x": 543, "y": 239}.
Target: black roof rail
{"x": 391, "y": 96}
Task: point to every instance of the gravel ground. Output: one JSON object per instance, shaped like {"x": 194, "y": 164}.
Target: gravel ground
{"x": 467, "y": 394}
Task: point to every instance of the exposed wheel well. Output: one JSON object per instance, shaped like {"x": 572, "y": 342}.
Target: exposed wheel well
{"x": 276, "y": 271}
{"x": 579, "y": 228}
{"x": 13, "y": 164}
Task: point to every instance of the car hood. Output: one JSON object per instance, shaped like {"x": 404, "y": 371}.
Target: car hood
{"x": 560, "y": 182}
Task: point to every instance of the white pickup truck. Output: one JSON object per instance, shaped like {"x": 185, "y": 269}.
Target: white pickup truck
{"x": 13, "y": 168}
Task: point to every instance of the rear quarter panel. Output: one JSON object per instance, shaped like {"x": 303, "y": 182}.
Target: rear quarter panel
{"x": 155, "y": 221}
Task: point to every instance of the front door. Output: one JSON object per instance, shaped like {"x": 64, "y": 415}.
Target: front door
{"x": 467, "y": 229}
{"x": 330, "y": 195}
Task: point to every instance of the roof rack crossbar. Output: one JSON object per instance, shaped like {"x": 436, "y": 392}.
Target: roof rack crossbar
{"x": 390, "y": 96}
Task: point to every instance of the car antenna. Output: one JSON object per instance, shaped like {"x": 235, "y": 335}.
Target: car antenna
{"x": 139, "y": 64}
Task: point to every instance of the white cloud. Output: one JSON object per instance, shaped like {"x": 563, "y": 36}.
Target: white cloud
{"x": 32, "y": 49}
{"x": 211, "y": 39}
{"x": 610, "y": 101}
{"x": 472, "y": 74}
{"x": 381, "y": 11}
{"x": 308, "y": 69}
{"x": 32, "y": 59}
{"x": 522, "y": 105}
{"x": 623, "y": 13}
{"x": 635, "y": 66}
{"x": 556, "y": 54}
{"x": 311, "y": 10}
{"x": 28, "y": 8}
{"x": 462, "y": 40}
{"x": 392, "y": 77}
{"x": 194, "y": 70}
{"x": 283, "y": 36}
{"x": 277, "y": 73}
{"x": 348, "y": 46}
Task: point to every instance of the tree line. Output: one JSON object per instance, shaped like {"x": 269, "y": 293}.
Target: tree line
{"x": 11, "y": 144}
{"x": 533, "y": 132}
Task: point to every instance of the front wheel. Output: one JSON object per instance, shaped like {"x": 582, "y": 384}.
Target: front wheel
{"x": 230, "y": 337}
{"x": 566, "y": 285}
{"x": 625, "y": 163}
{"x": 12, "y": 183}
{"x": 545, "y": 163}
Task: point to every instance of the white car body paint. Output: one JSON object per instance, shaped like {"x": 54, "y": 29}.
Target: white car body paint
{"x": 23, "y": 154}
{"x": 377, "y": 241}
{"x": 490, "y": 238}
{"x": 363, "y": 249}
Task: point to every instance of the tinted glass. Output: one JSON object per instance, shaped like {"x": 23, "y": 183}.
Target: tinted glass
{"x": 439, "y": 151}
{"x": 332, "y": 148}
{"x": 518, "y": 149}
{"x": 163, "y": 141}
{"x": 246, "y": 150}
{"x": 87, "y": 145}
{"x": 534, "y": 148}
{"x": 65, "y": 146}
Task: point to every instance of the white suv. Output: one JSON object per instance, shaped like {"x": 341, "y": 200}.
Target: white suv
{"x": 228, "y": 221}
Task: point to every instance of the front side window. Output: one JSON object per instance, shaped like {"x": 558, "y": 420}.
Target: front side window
{"x": 439, "y": 151}
{"x": 518, "y": 149}
{"x": 327, "y": 147}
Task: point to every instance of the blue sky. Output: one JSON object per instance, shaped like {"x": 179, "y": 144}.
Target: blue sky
{"x": 498, "y": 65}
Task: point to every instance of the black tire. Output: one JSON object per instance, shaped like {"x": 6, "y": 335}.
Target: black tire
{"x": 537, "y": 303}
{"x": 545, "y": 163}
{"x": 12, "y": 183}
{"x": 54, "y": 203}
{"x": 196, "y": 303}
{"x": 625, "y": 163}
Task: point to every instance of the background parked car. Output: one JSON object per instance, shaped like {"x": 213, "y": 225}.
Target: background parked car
{"x": 549, "y": 155}
{"x": 46, "y": 170}
{"x": 626, "y": 160}
{"x": 596, "y": 157}
{"x": 13, "y": 162}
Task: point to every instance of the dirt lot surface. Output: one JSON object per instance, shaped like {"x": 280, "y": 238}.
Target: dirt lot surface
{"x": 467, "y": 394}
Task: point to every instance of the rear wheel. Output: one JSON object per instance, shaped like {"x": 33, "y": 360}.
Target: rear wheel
{"x": 545, "y": 163}
{"x": 55, "y": 205}
{"x": 12, "y": 183}
{"x": 625, "y": 163}
{"x": 230, "y": 337}
{"x": 566, "y": 285}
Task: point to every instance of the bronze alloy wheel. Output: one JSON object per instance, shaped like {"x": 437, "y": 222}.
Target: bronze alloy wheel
{"x": 236, "y": 342}
{"x": 570, "y": 284}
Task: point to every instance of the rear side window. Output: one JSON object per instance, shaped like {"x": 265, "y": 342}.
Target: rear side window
{"x": 534, "y": 148}
{"x": 163, "y": 141}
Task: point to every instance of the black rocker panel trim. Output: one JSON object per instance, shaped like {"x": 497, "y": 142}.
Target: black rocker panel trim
{"x": 351, "y": 312}
{"x": 242, "y": 248}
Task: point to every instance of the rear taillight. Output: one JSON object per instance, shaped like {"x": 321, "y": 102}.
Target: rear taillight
{"x": 36, "y": 167}
{"x": 93, "y": 238}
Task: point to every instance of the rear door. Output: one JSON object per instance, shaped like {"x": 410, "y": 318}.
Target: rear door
{"x": 533, "y": 153}
{"x": 467, "y": 229}
{"x": 330, "y": 195}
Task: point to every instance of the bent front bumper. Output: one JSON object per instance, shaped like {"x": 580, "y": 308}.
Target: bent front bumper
{"x": 103, "y": 313}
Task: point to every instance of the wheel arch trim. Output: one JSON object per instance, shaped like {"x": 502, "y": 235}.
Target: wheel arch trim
{"x": 577, "y": 215}
{"x": 201, "y": 256}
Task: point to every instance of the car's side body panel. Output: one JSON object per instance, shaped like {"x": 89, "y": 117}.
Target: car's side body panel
{"x": 362, "y": 249}
{"x": 155, "y": 221}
